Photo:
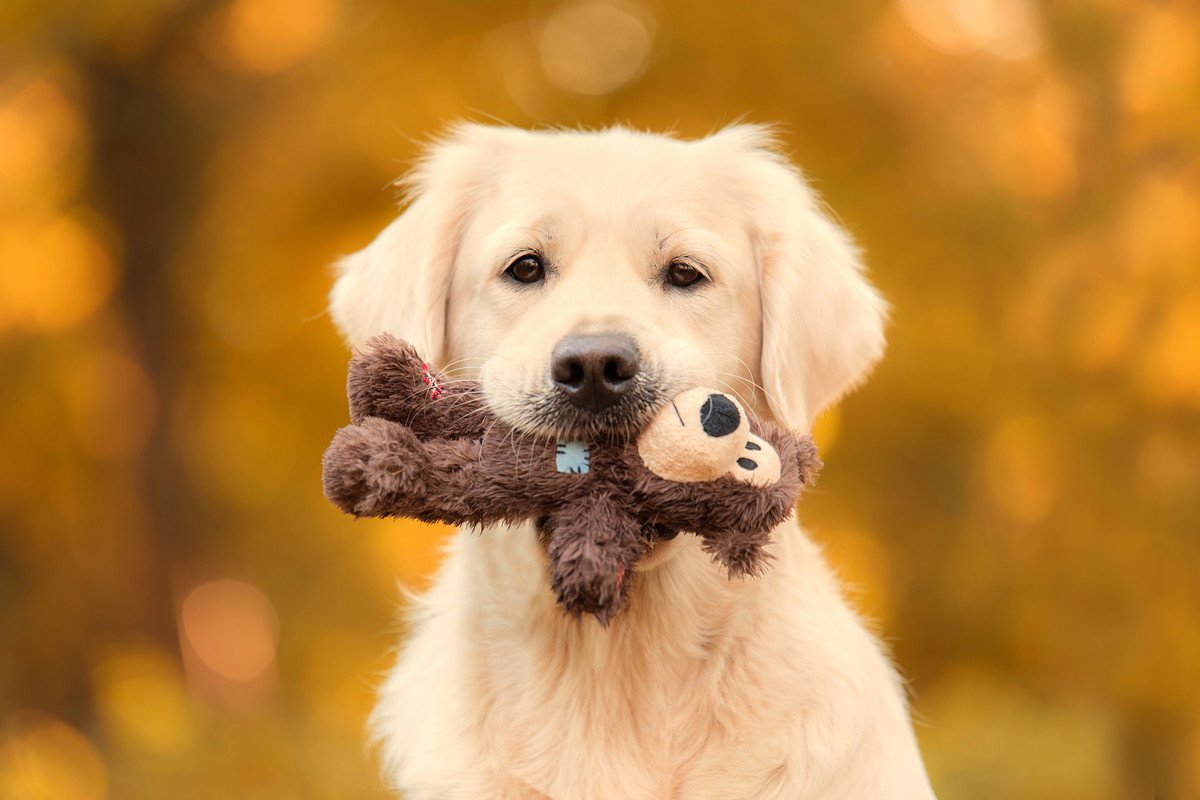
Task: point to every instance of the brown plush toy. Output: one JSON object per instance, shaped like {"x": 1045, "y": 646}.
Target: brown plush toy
{"x": 423, "y": 447}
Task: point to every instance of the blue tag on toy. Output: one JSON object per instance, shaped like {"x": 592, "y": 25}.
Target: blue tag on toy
{"x": 572, "y": 457}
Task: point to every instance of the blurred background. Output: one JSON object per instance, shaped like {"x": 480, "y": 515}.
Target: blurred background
{"x": 1013, "y": 499}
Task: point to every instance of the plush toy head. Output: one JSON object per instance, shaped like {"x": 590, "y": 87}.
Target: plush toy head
{"x": 424, "y": 447}
{"x": 700, "y": 436}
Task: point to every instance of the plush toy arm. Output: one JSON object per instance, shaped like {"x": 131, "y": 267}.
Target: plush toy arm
{"x": 593, "y": 545}
{"x": 389, "y": 379}
{"x": 379, "y": 468}
{"x": 742, "y": 553}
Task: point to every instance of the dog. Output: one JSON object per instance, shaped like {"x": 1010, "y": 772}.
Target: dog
{"x": 581, "y": 277}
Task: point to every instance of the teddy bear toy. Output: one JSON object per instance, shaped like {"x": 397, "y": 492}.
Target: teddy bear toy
{"x": 425, "y": 447}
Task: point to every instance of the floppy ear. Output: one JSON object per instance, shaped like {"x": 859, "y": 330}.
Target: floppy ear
{"x": 822, "y": 326}
{"x": 400, "y": 282}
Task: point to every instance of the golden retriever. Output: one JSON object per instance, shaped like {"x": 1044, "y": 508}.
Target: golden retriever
{"x": 580, "y": 276}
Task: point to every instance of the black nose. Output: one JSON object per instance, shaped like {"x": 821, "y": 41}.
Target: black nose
{"x": 594, "y": 371}
{"x": 719, "y": 416}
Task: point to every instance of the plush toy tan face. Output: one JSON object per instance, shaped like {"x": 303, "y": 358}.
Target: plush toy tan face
{"x": 703, "y": 434}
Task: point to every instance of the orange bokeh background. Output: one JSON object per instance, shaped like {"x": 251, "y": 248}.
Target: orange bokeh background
{"x": 1013, "y": 499}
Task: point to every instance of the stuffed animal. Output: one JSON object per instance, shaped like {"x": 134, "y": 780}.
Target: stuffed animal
{"x": 425, "y": 447}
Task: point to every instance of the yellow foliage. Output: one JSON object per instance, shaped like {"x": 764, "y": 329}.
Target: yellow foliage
{"x": 1011, "y": 499}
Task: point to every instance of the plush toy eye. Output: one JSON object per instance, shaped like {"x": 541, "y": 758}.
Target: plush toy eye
{"x": 527, "y": 269}
{"x": 683, "y": 274}
{"x": 719, "y": 416}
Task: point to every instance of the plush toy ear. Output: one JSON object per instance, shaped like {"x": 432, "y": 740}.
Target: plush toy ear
{"x": 822, "y": 321}
{"x": 400, "y": 282}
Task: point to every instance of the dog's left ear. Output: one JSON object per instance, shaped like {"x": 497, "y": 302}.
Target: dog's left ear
{"x": 822, "y": 321}
{"x": 400, "y": 282}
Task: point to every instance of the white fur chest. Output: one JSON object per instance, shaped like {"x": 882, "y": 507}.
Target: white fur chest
{"x": 695, "y": 691}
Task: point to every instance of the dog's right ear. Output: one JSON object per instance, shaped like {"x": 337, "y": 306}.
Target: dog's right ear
{"x": 823, "y": 321}
{"x": 400, "y": 282}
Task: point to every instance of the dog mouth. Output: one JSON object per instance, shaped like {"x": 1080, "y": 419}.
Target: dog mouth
{"x": 548, "y": 412}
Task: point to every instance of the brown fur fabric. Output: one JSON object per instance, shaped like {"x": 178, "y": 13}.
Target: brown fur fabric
{"x": 424, "y": 447}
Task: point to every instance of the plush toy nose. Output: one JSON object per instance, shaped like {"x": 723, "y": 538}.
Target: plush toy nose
{"x": 594, "y": 371}
{"x": 719, "y": 416}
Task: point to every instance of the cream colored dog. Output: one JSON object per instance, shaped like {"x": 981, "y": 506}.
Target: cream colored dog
{"x": 583, "y": 276}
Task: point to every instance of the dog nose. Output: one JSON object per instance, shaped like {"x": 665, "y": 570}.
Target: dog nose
{"x": 719, "y": 416}
{"x": 594, "y": 371}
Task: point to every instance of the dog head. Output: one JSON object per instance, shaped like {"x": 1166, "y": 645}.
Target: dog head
{"x": 587, "y": 277}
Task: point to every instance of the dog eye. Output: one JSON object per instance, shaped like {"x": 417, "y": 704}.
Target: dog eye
{"x": 683, "y": 275}
{"x": 527, "y": 269}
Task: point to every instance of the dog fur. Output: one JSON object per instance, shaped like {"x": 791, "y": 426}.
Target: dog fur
{"x": 705, "y": 687}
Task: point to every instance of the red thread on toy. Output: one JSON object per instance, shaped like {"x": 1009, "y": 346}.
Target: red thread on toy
{"x": 435, "y": 391}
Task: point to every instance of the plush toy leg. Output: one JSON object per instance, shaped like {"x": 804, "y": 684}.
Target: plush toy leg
{"x": 389, "y": 379}
{"x": 593, "y": 544}
{"x": 370, "y": 469}
{"x": 379, "y": 468}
